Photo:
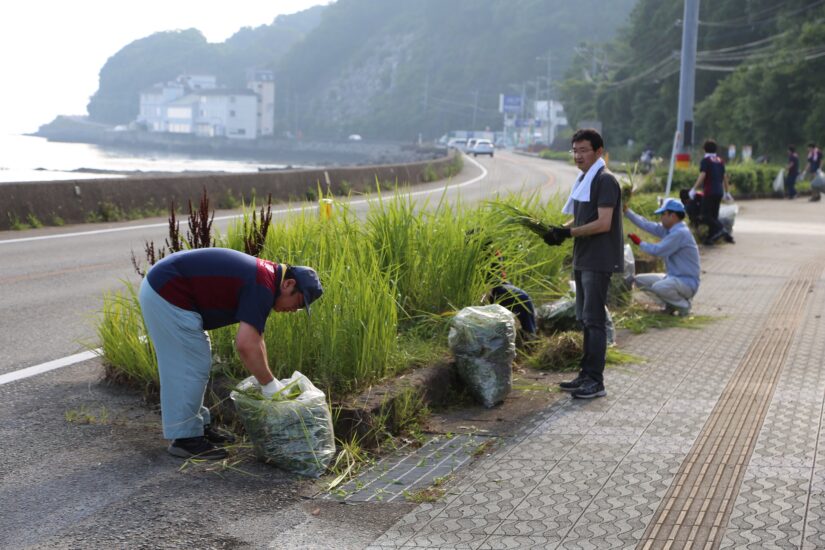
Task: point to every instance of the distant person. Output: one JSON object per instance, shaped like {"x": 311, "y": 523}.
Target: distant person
{"x": 676, "y": 287}
{"x": 647, "y": 159}
{"x": 812, "y": 168}
{"x": 598, "y": 251}
{"x": 714, "y": 184}
{"x": 792, "y": 173}
{"x": 189, "y": 292}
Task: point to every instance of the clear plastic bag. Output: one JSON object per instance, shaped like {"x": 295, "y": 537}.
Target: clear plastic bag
{"x": 483, "y": 340}
{"x": 293, "y": 433}
{"x": 557, "y": 316}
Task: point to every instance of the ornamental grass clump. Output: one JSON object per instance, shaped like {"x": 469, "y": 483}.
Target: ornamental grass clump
{"x": 393, "y": 278}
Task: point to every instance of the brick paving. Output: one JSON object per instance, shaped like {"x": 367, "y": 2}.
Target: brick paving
{"x": 717, "y": 440}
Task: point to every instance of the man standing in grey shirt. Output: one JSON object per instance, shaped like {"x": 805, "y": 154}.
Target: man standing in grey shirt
{"x": 675, "y": 288}
{"x": 596, "y": 205}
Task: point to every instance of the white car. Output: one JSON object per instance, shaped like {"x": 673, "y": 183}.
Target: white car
{"x": 354, "y": 137}
{"x": 483, "y": 147}
{"x": 457, "y": 143}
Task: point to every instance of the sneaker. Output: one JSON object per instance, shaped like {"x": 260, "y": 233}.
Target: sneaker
{"x": 574, "y": 384}
{"x": 220, "y": 438}
{"x": 196, "y": 447}
{"x": 589, "y": 390}
{"x": 729, "y": 238}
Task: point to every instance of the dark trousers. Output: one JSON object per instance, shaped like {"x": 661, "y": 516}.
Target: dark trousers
{"x": 517, "y": 301}
{"x": 790, "y": 186}
{"x": 710, "y": 217}
{"x": 591, "y": 298}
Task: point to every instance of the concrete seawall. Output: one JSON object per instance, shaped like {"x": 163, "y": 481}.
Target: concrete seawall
{"x": 77, "y": 201}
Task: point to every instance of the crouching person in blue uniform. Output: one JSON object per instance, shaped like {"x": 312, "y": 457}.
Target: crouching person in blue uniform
{"x": 190, "y": 292}
{"x": 675, "y": 288}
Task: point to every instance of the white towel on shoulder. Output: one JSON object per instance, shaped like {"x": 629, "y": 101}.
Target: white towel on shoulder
{"x": 581, "y": 189}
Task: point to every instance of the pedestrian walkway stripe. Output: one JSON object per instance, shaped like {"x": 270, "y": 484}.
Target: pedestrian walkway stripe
{"x": 699, "y": 502}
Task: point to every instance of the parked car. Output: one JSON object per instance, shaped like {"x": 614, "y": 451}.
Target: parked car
{"x": 457, "y": 143}
{"x": 482, "y": 147}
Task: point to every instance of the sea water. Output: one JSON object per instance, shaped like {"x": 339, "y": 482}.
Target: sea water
{"x": 28, "y": 158}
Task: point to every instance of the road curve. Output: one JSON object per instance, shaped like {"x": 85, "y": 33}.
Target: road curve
{"x": 52, "y": 280}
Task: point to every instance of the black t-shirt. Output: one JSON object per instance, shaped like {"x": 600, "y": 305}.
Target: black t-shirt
{"x": 605, "y": 251}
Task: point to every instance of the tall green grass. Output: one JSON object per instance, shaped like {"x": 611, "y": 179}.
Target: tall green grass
{"x": 390, "y": 280}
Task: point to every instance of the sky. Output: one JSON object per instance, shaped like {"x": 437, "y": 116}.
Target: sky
{"x": 51, "y": 51}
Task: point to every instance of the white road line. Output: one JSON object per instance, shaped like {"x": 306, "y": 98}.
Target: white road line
{"x": 46, "y": 367}
{"x": 86, "y": 355}
{"x": 220, "y": 218}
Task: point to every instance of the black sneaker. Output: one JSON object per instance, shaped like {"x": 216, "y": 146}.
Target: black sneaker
{"x": 574, "y": 384}
{"x": 218, "y": 437}
{"x": 196, "y": 447}
{"x": 589, "y": 390}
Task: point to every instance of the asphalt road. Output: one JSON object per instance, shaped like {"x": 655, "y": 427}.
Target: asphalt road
{"x": 83, "y": 465}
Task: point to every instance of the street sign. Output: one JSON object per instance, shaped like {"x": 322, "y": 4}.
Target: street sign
{"x": 509, "y": 103}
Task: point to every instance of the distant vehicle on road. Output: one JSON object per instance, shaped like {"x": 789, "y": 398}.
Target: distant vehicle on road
{"x": 457, "y": 143}
{"x": 482, "y": 147}
{"x": 470, "y": 144}
{"x": 354, "y": 137}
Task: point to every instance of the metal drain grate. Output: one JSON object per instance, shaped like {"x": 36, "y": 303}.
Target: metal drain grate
{"x": 405, "y": 473}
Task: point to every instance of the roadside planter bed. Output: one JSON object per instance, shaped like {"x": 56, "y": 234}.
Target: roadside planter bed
{"x": 393, "y": 280}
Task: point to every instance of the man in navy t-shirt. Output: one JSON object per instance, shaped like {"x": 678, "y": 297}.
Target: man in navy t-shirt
{"x": 714, "y": 184}
{"x": 189, "y": 292}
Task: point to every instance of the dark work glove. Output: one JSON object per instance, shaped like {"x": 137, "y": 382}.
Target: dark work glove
{"x": 635, "y": 238}
{"x": 556, "y": 235}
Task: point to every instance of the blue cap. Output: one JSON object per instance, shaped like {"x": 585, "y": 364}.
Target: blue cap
{"x": 671, "y": 205}
{"x": 308, "y": 283}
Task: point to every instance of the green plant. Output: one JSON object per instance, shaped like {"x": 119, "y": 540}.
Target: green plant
{"x": 33, "y": 221}
{"x": 85, "y": 416}
{"x": 228, "y": 201}
{"x": 429, "y": 174}
{"x": 110, "y": 212}
{"x": 15, "y": 223}
{"x": 57, "y": 221}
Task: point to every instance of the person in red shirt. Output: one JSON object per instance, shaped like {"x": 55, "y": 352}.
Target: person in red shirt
{"x": 189, "y": 292}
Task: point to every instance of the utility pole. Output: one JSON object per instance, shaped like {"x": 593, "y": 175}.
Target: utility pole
{"x": 426, "y": 92}
{"x": 475, "y": 108}
{"x": 687, "y": 74}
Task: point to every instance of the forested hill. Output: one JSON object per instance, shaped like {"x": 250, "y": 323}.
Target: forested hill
{"x": 163, "y": 56}
{"x": 760, "y": 75}
{"x": 381, "y": 68}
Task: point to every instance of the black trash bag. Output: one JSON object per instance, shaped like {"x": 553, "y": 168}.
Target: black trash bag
{"x": 483, "y": 340}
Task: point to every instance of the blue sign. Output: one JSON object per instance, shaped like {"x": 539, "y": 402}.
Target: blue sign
{"x": 510, "y": 104}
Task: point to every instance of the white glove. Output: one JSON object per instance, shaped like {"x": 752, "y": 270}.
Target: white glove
{"x": 728, "y": 197}
{"x": 692, "y": 194}
{"x": 272, "y": 388}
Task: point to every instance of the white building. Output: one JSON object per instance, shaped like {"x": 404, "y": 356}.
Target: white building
{"x": 263, "y": 84}
{"x": 193, "y": 104}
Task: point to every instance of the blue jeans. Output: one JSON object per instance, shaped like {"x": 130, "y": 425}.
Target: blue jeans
{"x": 591, "y": 298}
{"x": 184, "y": 362}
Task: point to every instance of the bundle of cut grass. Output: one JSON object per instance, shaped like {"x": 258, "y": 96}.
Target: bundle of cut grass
{"x": 513, "y": 215}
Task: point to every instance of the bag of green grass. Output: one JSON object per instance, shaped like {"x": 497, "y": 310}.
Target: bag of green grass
{"x": 291, "y": 430}
{"x": 483, "y": 341}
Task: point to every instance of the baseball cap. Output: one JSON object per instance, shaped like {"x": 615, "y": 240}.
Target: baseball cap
{"x": 307, "y": 281}
{"x": 671, "y": 205}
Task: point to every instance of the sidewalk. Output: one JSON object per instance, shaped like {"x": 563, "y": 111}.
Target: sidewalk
{"x": 713, "y": 442}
